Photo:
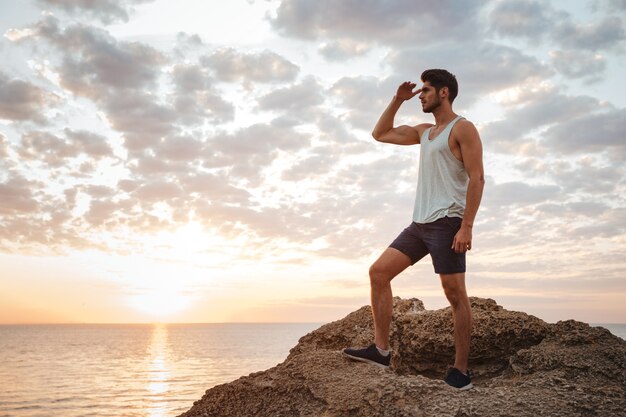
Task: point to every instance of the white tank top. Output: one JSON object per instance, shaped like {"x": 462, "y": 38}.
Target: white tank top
{"x": 442, "y": 179}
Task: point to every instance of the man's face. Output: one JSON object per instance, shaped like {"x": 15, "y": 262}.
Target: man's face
{"x": 429, "y": 98}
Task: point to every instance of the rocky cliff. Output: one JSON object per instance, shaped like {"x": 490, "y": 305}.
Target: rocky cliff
{"x": 522, "y": 366}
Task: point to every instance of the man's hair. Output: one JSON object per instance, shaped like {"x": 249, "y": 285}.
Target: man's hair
{"x": 440, "y": 78}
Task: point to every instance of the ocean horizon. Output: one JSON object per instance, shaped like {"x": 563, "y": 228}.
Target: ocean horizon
{"x": 136, "y": 370}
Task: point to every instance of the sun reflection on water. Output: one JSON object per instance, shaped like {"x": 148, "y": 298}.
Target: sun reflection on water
{"x": 158, "y": 372}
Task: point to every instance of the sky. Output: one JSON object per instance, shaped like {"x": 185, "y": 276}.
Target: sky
{"x": 212, "y": 161}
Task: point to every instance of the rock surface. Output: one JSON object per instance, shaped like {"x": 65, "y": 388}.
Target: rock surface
{"x": 522, "y": 366}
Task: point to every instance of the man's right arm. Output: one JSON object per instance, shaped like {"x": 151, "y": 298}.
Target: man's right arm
{"x": 400, "y": 135}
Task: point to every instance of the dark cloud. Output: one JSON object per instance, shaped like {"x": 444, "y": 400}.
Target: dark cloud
{"x": 195, "y": 99}
{"x": 608, "y": 224}
{"x": 295, "y": 98}
{"x": 522, "y": 18}
{"x": 363, "y": 98}
{"x": 534, "y": 20}
{"x": 609, "y": 6}
{"x": 249, "y": 150}
{"x": 4, "y": 146}
{"x": 264, "y": 67}
{"x": 598, "y": 132}
{"x": 599, "y": 35}
{"x": 480, "y": 70}
{"x": 23, "y": 101}
{"x": 401, "y": 22}
{"x": 531, "y": 112}
{"x": 16, "y": 194}
{"x": 89, "y": 143}
{"x": 97, "y": 63}
{"x": 93, "y": 61}
{"x": 56, "y": 151}
{"x": 107, "y": 11}
{"x": 142, "y": 119}
{"x": 519, "y": 194}
{"x": 342, "y": 50}
{"x": 45, "y": 147}
{"x": 190, "y": 78}
{"x": 315, "y": 164}
{"x": 588, "y": 175}
{"x": 579, "y": 64}
{"x": 179, "y": 148}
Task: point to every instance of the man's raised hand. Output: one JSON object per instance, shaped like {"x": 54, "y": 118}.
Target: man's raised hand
{"x": 405, "y": 91}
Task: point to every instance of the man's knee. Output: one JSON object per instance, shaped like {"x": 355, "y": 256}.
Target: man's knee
{"x": 379, "y": 275}
{"x": 454, "y": 296}
{"x": 454, "y": 289}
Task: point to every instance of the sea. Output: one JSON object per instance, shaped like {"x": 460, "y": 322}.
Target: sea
{"x": 135, "y": 370}
{"x": 130, "y": 370}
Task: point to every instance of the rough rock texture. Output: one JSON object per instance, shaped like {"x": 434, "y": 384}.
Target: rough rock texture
{"x": 523, "y": 366}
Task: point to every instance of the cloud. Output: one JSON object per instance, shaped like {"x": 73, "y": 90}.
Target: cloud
{"x": 17, "y": 196}
{"x": 609, "y": 224}
{"x": 295, "y": 98}
{"x": 100, "y": 63}
{"x": 577, "y": 175}
{"x": 364, "y": 98}
{"x": 23, "y": 101}
{"x": 536, "y": 21}
{"x": 249, "y": 150}
{"x": 55, "y": 151}
{"x": 93, "y": 63}
{"x": 599, "y": 35}
{"x": 142, "y": 119}
{"x": 310, "y": 179}
{"x": 89, "y": 143}
{"x": 179, "y": 148}
{"x": 402, "y": 22}
{"x": 480, "y": 70}
{"x": 230, "y": 65}
{"x": 107, "y": 11}
{"x": 518, "y": 194}
{"x": 342, "y": 50}
{"x": 598, "y": 132}
{"x": 127, "y": 82}
{"x": 522, "y": 18}
{"x": 4, "y": 147}
{"x": 532, "y": 110}
{"x": 579, "y": 64}
{"x": 312, "y": 165}
{"x": 195, "y": 99}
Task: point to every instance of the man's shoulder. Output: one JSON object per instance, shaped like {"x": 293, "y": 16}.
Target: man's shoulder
{"x": 463, "y": 128}
{"x": 464, "y": 123}
{"x": 421, "y": 128}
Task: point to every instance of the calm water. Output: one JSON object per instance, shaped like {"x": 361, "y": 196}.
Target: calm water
{"x": 130, "y": 370}
{"x": 135, "y": 370}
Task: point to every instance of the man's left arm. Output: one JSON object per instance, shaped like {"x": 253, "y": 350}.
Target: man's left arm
{"x": 472, "y": 153}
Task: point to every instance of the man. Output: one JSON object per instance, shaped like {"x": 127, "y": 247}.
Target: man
{"x": 449, "y": 189}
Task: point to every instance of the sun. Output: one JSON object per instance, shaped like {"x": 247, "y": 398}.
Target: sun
{"x": 159, "y": 302}
{"x": 159, "y": 280}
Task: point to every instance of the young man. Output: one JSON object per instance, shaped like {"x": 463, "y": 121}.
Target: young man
{"x": 449, "y": 189}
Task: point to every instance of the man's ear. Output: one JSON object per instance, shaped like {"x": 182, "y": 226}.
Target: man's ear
{"x": 444, "y": 92}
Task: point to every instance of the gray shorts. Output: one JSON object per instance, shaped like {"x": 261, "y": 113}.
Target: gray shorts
{"x": 420, "y": 239}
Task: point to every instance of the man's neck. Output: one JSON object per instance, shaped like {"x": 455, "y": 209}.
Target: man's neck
{"x": 443, "y": 115}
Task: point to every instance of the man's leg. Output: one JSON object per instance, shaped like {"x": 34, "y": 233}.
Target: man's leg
{"x": 454, "y": 288}
{"x": 388, "y": 266}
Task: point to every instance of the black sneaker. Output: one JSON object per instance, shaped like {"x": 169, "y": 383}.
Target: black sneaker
{"x": 368, "y": 355}
{"x": 458, "y": 379}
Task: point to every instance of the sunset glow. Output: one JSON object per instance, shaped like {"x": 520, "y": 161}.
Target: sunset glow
{"x": 212, "y": 161}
